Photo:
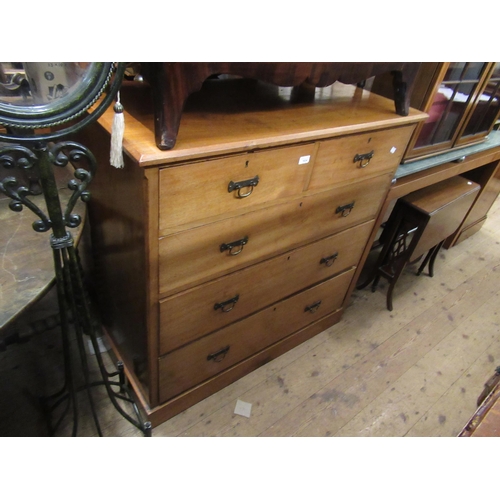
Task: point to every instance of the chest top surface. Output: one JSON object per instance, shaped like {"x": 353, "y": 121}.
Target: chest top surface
{"x": 234, "y": 116}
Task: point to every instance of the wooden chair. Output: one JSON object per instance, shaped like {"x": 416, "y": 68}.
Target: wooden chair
{"x": 418, "y": 225}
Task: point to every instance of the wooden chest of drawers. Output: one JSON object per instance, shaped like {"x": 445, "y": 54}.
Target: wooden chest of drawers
{"x": 244, "y": 240}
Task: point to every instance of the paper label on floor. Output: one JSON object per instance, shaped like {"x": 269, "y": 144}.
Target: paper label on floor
{"x": 243, "y": 409}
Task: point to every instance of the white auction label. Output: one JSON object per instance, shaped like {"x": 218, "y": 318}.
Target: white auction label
{"x": 243, "y": 409}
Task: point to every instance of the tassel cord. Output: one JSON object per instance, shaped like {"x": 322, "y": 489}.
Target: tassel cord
{"x": 117, "y": 132}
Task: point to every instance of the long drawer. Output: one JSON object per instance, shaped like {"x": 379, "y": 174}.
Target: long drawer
{"x": 353, "y": 157}
{"x": 186, "y": 367}
{"x": 199, "y": 191}
{"x": 198, "y": 255}
{"x": 200, "y": 310}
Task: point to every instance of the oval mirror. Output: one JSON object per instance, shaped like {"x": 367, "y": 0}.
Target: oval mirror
{"x": 43, "y": 94}
{"x": 40, "y": 95}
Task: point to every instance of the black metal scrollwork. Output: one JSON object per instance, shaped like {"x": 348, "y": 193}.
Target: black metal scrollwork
{"x": 19, "y": 157}
{"x": 60, "y": 155}
{"x": 33, "y": 165}
{"x": 16, "y": 156}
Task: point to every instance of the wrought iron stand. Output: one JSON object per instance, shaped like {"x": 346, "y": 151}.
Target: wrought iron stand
{"x": 73, "y": 299}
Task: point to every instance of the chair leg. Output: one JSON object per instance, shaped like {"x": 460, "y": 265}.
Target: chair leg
{"x": 425, "y": 261}
{"x": 397, "y": 273}
{"x": 433, "y": 259}
{"x": 375, "y": 282}
{"x": 389, "y": 296}
{"x": 430, "y": 258}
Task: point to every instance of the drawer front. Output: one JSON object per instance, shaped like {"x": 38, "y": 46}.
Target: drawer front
{"x": 351, "y": 158}
{"x": 199, "y": 191}
{"x": 198, "y": 255}
{"x": 184, "y": 368}
{"x": 200, "y": 310}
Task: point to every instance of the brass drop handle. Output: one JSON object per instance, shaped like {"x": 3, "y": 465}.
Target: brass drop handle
{"x": 227, "y": 305}
{"x": 328, "y": 261}
{"x": 235, "y": 247}
{"x": 345, "y": 209}
{"x": 218, "y": 356}
{"x": 249, "y": 184}
{"x": 313, "y": 307}
{"x": 363, "y": 159}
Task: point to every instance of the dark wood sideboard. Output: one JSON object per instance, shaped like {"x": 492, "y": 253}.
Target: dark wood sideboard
{"x": 173, "y": 82}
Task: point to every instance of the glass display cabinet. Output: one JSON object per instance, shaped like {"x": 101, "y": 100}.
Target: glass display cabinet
{"x": 485, "y": 110}
{"x": 462, "y": 100}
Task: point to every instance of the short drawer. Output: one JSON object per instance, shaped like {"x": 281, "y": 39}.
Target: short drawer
{"x": 198, "y": 255}
{"x": 198, "y": 311}
{"x": 353, "y": 157}
{"x": 186, "y": 367}
{"x": 218, "y": 187}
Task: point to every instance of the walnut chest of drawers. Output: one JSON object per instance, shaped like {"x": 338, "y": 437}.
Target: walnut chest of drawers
{"x": 243, "y": 241}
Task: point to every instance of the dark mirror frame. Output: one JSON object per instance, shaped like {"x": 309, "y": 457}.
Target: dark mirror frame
{"x": 72, "y": 111}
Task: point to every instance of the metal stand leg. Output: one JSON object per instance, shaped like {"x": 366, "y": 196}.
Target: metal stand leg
{"x": 71, "y": 292}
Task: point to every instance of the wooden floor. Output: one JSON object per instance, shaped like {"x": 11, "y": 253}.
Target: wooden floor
{"x": 416, "y": 371}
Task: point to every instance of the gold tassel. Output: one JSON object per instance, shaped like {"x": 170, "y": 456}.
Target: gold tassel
{"x": 117, "y": 131}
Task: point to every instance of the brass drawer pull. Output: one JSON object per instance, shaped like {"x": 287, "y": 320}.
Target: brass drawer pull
{"x": 363, "y": 159}
{"x": 218, "y": 356}
{"x": 235, "y": 247}
{"x": 249, "y": 183}
{"x": 313, "y": 307}
{"x": 345, "y": 209}
{"x": 227, "y": 305}
{"x": 328, "y": 261}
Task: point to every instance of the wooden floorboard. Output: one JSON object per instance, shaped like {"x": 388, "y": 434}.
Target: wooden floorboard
{"x": 415, "y": 371}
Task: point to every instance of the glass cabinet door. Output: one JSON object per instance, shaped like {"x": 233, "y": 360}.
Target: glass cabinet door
{"x": 449, "y": 106}
{"x": 485, "y": 112}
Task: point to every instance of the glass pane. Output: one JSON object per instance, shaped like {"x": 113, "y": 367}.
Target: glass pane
{"x": 454, "y": 71}
{"x": 486, "y": 110}
{"x": 444, "y": 115}
{"x": 473, "y": 70}
{"x": 496, "y": 71}
{"x": 464, "y": 71}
